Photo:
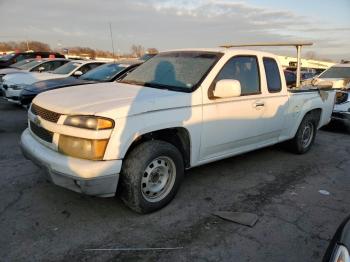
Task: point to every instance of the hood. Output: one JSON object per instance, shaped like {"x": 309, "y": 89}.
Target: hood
{"x": 49, "y": 84}
{"x": 114, "y": 100}
{"x": 26, "y": 78}
{"x": 9, "y": 70}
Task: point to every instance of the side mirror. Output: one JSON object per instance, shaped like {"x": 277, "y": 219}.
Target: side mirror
{"x": 78, "y": 73}
{"x": 41, "y": 69}
{"x": 227, "y": 88}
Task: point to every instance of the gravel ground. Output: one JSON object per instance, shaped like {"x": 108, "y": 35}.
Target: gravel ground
{"x": 42, "y": 222}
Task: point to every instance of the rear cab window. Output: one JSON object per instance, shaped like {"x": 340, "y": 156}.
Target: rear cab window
{"x": 273, "y": 76}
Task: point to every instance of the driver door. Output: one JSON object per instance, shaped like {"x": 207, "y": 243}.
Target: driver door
{"x": 232, "y": 125}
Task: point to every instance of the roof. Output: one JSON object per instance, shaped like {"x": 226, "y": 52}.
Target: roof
{"x": 87, "y": 61}
{"x": 342, "y": 65}
{"x": 50, "y": 59}
{"x": 224, "y": 51}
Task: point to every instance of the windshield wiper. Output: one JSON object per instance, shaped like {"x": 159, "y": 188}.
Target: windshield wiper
{"x": 133, "y": 82}
{"x": 166, "y": 87}
{"x": 160, "y": 86}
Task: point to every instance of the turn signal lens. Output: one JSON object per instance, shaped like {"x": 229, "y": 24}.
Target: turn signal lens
{"x": 82, "y": 148}
{"x": 89, "y": 122}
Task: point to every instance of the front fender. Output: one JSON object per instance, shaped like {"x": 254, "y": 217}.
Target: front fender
{"x": 128, "y": 129}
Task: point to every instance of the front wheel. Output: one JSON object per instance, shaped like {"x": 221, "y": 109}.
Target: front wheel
{"x": 151, "y": 176}
{"x": 305, "y": 136}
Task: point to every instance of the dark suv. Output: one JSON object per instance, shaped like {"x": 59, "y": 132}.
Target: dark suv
{"x": 7, "y": 60}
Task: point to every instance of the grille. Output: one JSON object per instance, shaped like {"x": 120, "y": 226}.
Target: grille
{"x": 45, "y": 114}
{"x": 41, "y": 132}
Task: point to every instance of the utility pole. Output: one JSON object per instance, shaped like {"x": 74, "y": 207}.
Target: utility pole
{"x": 110, "y": 30}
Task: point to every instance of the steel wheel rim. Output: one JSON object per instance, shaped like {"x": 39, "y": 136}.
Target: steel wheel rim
{"x": 158, "y": 179}
{"x": 307, "y": 135}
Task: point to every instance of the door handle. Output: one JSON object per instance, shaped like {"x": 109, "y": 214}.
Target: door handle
{"x": 259, "y": 104}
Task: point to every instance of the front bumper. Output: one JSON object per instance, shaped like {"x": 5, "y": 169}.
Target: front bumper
{"x": 12, "y": 95}
{"x": 97, "y": 178}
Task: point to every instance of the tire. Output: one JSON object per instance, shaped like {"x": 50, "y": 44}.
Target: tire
{"x": 151, "y": 175}
{"x": 305, "y": 136}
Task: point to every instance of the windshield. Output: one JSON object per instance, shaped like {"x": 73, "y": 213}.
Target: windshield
{"x": 336, "y": 72}
{"x": 20, "y": 63}
{"x": 30, "y": 65}
{"x": 179, "y": 71}
{"x": 67, "y": 68}
{"x": 7, "y": 57}
{"x": 105, "y": 72}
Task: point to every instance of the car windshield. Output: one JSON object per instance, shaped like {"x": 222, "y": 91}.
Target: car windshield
{"x": 7, "y": 57}
{"x": 336, "y": 72}
{"x": 178, "y": 71}
{"x": 105, "y": 72}
{"x": 20, "y": 63}
{"x": 30, "y": 65}
{"x": 67, "y": 68}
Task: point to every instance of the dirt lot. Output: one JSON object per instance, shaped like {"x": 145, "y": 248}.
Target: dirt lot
{"x": 39, "y": 221}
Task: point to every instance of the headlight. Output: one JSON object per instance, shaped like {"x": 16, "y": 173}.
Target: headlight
{"x": 89, "y": 122}
{"x": 82, "y": 148}
{"x": 341, "y": 255}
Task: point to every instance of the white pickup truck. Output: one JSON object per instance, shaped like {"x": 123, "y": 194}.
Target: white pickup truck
{"x": 180, "y": 109}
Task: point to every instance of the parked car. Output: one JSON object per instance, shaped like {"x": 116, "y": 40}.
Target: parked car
{"x": 339, "y": 77}
{"x": 341, "y": 111}
{"x": 13, "y": 84}
{"x": 339, "y": 247}
{"x": 338, "y": 74}
{"x": 9, "y": 59}
{"x": 34, "y": 65}
{"x": 178, "y": 110}
{"x": 20, "y": 63}
{"x": 291, "y": 78}
{"x": 104, "y": 73}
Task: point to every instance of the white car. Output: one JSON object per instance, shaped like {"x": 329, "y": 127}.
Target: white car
{"x": 339, "y": 76}
{"x": 341, "y": 111}
{"x": 178, "y": 110}
{"x": 34, "y": 65}
{"x": 12, "y": 84}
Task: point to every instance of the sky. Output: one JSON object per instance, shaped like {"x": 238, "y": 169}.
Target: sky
{"x": 170, "y": 24}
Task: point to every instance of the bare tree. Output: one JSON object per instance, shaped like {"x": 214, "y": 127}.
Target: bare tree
{"x": 23, "y": 46}
{"x": 137, "y": 50}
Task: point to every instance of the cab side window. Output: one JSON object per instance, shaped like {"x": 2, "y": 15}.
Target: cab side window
{"x": 245, "y": 69}
{"x": 273, "y": 77}
{"x": 85, "y": 68}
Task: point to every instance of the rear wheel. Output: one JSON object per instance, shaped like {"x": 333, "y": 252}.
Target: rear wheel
{"x": 305, "y": 136}
{"x": 151, "y": 176}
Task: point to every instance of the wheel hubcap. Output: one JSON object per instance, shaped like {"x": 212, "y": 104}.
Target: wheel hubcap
{"x": 307, "y": 135}
{"x": 158, "y": 179}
